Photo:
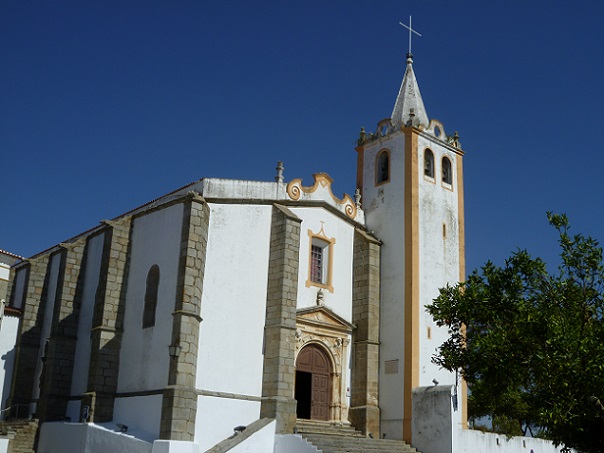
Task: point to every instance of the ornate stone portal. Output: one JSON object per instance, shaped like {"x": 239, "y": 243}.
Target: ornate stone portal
{"x": 321, "y": 329}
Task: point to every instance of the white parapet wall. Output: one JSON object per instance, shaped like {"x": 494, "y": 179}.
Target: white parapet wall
{"x": 60, "y": 437}
{"x": 258, "y": 436}
{"x": 293, "y": 443}
{"x": 435, "y": 431}
{"x": 8, "y": 339}
{"x": 175, "y": 446}
{"x": 4, "y": 442}
{"x": 471, "y": 441}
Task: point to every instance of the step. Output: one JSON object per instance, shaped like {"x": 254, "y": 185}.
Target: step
{"x": 365, "y": 444}
{"x": 329, "y": 430}
{"x": 332, "y": 438}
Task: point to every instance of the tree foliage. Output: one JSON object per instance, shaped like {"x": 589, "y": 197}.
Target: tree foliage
{"x": 530, "y": 344}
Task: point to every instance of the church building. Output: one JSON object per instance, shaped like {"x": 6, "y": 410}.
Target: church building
{"x": 226, "y": 302}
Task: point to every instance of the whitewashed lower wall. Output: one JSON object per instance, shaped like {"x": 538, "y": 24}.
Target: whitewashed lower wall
{"x": 62, "y": 437}
{"x": 293, "y": 443}
{"x": 262, "y": 440}
{"x": 217, "y": 418}
{"x": 435, "y": 429}
{"x": 471, "y": 441}
{"x": 432, "y": 424}
{"x": 174, "y": 446}
{"x": 8, "y": 338}
{"x": 142, "y": 413}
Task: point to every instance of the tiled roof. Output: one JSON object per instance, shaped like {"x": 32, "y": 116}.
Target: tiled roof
{"x": 12, "y": 255}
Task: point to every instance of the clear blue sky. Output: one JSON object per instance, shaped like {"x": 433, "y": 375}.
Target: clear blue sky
{"x": 105, "y": 105}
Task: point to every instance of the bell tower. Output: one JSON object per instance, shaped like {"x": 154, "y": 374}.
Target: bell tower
{"x": 410, "y": 175}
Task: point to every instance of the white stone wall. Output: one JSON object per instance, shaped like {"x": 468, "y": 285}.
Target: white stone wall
{"x": 439, "y": 254}
{"x": 435, "y": 429}
{"x": 82, "y": 352}
{"x": 19, "y": 287}
{"x": 316, "y": 220}
{"x": 384, "y": 207}
{"x": 233, "y": 308}
{"x": 87, "y": 437}
{"x": 217, "y": 417}
{"x": 174, "y": 446}
{"x": 4, "y": 271}
{"x": 471, "y": 441}
{"x": 439, "y": 262}
{"x": 262, "y": 440}
{"x": 234, "y": 299}
{"x": 339, "y": 301}
{"x": 144, "y": 357}
{"x": 293, "y": 443}
{"x": 8, "y": 339}
{"x": 146, "y": 417}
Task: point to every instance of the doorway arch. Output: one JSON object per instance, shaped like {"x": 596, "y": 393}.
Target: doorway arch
{"x": 313, "y": 383}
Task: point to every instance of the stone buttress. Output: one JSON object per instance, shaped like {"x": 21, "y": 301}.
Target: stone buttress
{"x": 179, "y": 405}
{"x": 107, "y": 323}
{"x": 364, "y": 412}
{"x": 280, "y": 328}
{"x": 28, "y": 340}
{"x": 60, "y": 355}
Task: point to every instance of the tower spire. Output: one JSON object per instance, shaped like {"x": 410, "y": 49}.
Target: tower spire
{"x": 409, "y": 105}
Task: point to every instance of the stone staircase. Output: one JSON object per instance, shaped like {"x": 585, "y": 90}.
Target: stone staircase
{"x": 22, "y": 434}
{"x": 345, "y": 439}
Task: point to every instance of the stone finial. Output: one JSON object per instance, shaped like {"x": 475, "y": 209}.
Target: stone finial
{"x": 320, "y": 297}
{"x": 280, "y": 168}
{"x": 453, "y": 140}
{"x": 362, "y": 137}
{"x": 357, "y": 198}
{"x": 456, "y": 140}
{"x": 411, "y": 121}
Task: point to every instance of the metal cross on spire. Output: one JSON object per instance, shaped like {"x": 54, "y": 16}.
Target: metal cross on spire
{"x": 411, "y": 30}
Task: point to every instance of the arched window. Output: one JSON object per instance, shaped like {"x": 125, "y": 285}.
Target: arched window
{"x": 447, "y": 171}
{"x": 151, "y": 296}
{"x": 428, "y": 163}
{"x": 382, "y": 167}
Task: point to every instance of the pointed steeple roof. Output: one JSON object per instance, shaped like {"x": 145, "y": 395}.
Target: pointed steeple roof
{"x": 409, "y": 98}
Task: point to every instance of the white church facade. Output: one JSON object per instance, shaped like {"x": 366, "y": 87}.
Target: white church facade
{"x": 227, "y": 302}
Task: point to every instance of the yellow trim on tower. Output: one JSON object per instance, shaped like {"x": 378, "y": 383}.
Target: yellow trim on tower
{"x": 462, "y": 272}
{"x": 412, "y": 304}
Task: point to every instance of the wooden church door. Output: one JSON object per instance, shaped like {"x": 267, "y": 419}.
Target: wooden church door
{"x": 313, "y": 383}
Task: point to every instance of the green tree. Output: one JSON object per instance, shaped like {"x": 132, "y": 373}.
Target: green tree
{"x": 530, "y": 344}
